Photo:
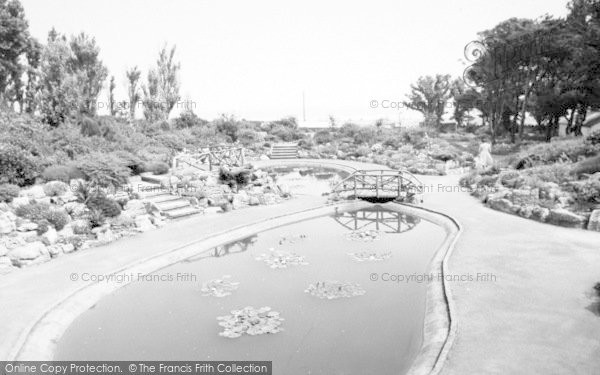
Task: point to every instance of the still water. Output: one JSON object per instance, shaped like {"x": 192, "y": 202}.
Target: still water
{"x": 376, "y": 331}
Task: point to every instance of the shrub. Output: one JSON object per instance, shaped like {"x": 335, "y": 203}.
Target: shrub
{"x": 108, "y": 207}
{"x": 235, "y": 177}
{"x": 55, "y": 188}
{"x": 488, "y": 181}
{"x": 322, "y": 137}
{"x": 134, "y": 163}
{"x": 557, "y": 173}
{"x": 17, "y": 166}
{"x": 8, "y": 192}
{"x": 587, "y": 191}
{"x": 89, "y": 127}
{"x": 96, "y": 218}
{"x": 41, "y": 212}
{"x": 103, "y": 170}
{"x": 58, "y": 218}
{"x": 188, "y": 119}
{"x": 61, "y": 173}
{"x": 157, "y": 168}
{"x": 81, "y": 228}
{"x": 594, "y": 138}
{"x": 43, "y": 226}
{"x": 470, "y": 179}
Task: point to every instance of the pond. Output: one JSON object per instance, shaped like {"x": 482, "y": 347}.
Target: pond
{"x": 307, "y": 181}
{"x": 326, "y": 316}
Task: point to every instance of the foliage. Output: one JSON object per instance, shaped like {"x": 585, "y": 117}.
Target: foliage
{"x": 235, "y": 177}
{"x": 322, "y": 137}
{"x": 96, "y": 218}
{"x": 133, "y": 91}
{"x": 108, "y": 207}
{"x": 587, "y": 166}
{"x": 188, "y": 119}
{"x": 429, "y": 96}
{"x": 157, "y": 168}
{"x": 55, "y": 188}
{"x": 103, "y": 170}
{"x": 15, "y": 44}
{"x": 61, "y": 173}
{"x": 594, "y": 138}
{"x": 8, "y": 192}
{"x": 39, "y": 212}
{"x": 17, "y": 166}
{"x": 587, "y": 191}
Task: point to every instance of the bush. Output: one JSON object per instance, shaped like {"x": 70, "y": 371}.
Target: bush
{"x": 41, "y": 212}
{"x": 8, "y": 192}
{"x": 103, "y": 170}
{"x": 157, "y": 168}
{"x": 594, "y": 138}
{"x": 108, "y": 207}
{"x": 96, "y": 218}
{"x": 61, "y": 173}
{"x": 58, "y": 218}
{"x": 55, "y": 188}
{"x": 587, "y": 191}
{"x": 557, "y": 173}
{"x": 17, "y": 166}
{"x": 322, "y": 137}
{"x": 134, "y": 163}
{"x": 235, "y": 177}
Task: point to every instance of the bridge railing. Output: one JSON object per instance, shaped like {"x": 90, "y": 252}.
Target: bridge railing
{"x": 215, "y": 156}
{"x": 380, "y": 184}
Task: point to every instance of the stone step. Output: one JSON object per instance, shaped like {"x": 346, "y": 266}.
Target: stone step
{"x": 163, "y": 198}
{"x": 172, "y": 205}
{"x": 182, "y": 212}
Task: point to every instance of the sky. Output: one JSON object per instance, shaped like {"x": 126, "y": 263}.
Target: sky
{"x": 353, "y": 60}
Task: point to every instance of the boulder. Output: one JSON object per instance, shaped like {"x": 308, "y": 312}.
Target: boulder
{"x": 240, "y": 200}
{"x": 68, "y": 248}
{"x": 7, "y": 223}
{"x": 264, "y": 157}
{"x": 50, "y": 237}
{"x": 5, "y": 262}
{"x": 106, "y": 236}
{"x": 28, "y": 254}
{"x": 54, "y": 250}
{"x": 66, "y": 232}
{"x": 143, "y": 223}
{"x": 35, "y": 192}
{"x": 524, "y": 196}
{"x": 12, "y": 242}
{"x": 594, "y": 223}
{"x": 565, "y": 218}
{"x": 3, "y": 250}
{"x": 19, "y": 201}
{"x": 212, "y": 210}
{"x": 27, "y": 226}
{"x": 525, "y": 211}
{"x": 253, "y": 201}
{"x": 4, "y": 207}
{"x": 135, "y": 205}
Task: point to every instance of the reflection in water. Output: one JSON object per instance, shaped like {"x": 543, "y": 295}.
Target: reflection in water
{"x": 377, "y": 218}
{"x": 229, "y": 248}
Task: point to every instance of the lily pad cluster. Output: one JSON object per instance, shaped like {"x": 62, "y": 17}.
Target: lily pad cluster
{"x": 281, "y": 259}
{"x": 364, "y": 235}
{"x": 370, "y": 256}
{"x": 292, "y": 239}
{"x": 219, "y": 287}
{"x": 334, "y": 290}
{"x": 250, "y": 321}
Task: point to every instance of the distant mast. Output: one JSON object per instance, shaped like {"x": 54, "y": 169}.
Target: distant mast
{"x": 303, "y": 108}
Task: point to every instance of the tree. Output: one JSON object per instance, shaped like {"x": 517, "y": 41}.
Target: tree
{"x": 429, "y": 96}
{"x": 32, "y": 89}
{"x": 111, "y": 96}
{"x": 133, "y": 91}
{"x": 153, "y": 107}
{"x": 89, "y": 70}
{"x": 162, "y": 90}
{"x": 60, "y": 92}
{"x": 14, "y": 43}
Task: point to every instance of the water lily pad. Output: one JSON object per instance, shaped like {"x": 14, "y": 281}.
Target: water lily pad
{"x": 364, "y": 235}
{"x": 250, "y": 321}
{"x": 370, "y": 256}
{"x": 281, "y": 259}
{"x": 334, "y": 290}
{"x": 219, "y": 287}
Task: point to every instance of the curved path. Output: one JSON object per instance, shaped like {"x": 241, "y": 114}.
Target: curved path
{"x": 533, "y": 316}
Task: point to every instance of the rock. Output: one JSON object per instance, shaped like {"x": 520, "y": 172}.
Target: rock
{"x": 135, "y": 205}
{"x": 502, "y": 204}
{"x": 68, "y": 248}
{"x": 143, "y": 223}
{"x": 540, "y": 213}
{"x": 525, "y": 211}
{"x": 240, "y": 200}
{"x": 524, "y": 196}
{"x": 35, "y": 192}
{"x": 7, "y": 224}
{"x": 66, "y": 232}
{"x": 27, "y": 226}
{"x": 19, "y": 201}
{"x": 4, "y": 207}
{"x": 68, "y": 196}
{"x": 264, "y": 157}
{"x": 50, "y": 237}
{"x": 106, "y": 236}
{"x": 124, "y": 220}
{"x": 28, "y": 254}
{"x": 12, "y": 242}
{"x": 44, "y": 200}
{"x": 284, "y": 190}
{"x": 157, "y": 221}
{"x": 593, "y": 224}
{"x": 5, "y": 262}
{"x": 253, "y": 201}
{"x": 565, "y": 218}
{"x": 212, "y": 210}
{"x": 54, "y": 250}
{"x": 3, "y": 250}
{"x": 270, "y": 198}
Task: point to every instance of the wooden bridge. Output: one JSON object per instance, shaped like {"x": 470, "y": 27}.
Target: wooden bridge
{"x": 377, "y": 219}
{"x": 213, "y": 157}
{"x": 380, "y": 185}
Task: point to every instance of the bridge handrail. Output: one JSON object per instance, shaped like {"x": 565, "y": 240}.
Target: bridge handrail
{"x": 400, "y": 174}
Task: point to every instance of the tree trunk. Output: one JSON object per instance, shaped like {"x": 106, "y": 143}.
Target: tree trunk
{"x": 524, "y": 113}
